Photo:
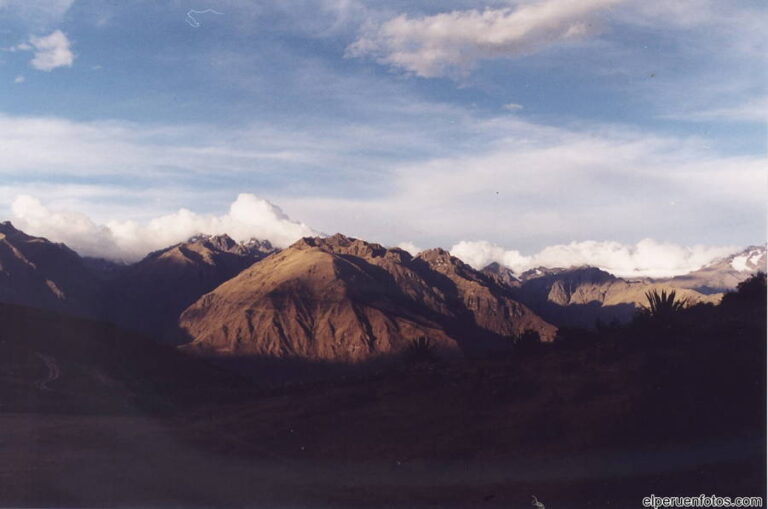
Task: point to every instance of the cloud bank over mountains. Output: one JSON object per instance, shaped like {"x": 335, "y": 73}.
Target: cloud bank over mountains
{"x": 252, "y": 217}
{"x": 248, "y": 217}
{"x": 647, "y": 258}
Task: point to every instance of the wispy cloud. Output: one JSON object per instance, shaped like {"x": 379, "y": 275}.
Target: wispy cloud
{"x": 513, "y": 107}
{"x": 453, "y": 42}
{"x": 503, "y": 178}
{"x": 751, "y": 111}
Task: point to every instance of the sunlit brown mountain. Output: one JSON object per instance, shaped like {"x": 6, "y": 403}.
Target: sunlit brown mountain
{"x": 346, "y": 299}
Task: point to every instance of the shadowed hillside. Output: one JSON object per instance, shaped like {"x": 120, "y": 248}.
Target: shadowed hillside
{"x": 148, "y": 296}
{"x": 40, "y": 273}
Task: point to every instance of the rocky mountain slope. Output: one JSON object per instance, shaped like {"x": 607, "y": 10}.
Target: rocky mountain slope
{"x": 579, "y": 296}
{"x": 344, "y": 299}
{"x": 40, "y": 273}
{"x": 150, "y": 295}
{"x": 723, "y": 274}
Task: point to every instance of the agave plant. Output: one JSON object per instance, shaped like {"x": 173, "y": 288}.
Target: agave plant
{"x": 663, "y": 305}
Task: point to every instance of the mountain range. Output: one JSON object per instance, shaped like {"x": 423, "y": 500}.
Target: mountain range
{"x": 332, "y": 298}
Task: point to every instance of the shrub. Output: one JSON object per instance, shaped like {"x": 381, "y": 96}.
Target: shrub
{"x": 421, "y": 350}
{"x": 663, "y": 305}
{"x": 528, "y": 341}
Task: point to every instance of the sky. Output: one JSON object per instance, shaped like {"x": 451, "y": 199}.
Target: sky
{"x": 504, "y": 128}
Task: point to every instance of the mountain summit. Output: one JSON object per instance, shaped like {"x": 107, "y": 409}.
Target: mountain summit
{"x": 340, "y": 298}
{"x": 149, "y": 295}
{"x": 726, "y": 273}
{"x": 37, "y": 272}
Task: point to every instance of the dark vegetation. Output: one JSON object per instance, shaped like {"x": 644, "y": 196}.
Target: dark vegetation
{"x": 671, "y": 403}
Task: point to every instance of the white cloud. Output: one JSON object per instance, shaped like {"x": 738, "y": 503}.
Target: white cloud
{"x": 647, "y": 258}
{"x": 248, "y": 217}
{"x": 19, "y": 79}
{"x": 52, "y": 51}
{"x": 480, "y": 254}
{"x": 754, "y": 110}
{"x": 446, "y": 43}
{"x": 453, "y": 176}
{"x": 513, "y": 107}
{"x": 410, "y": 247}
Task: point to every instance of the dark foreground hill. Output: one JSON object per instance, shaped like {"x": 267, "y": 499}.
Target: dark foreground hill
{"x": 344, "y": 299}
{"x": 51, "y": 362}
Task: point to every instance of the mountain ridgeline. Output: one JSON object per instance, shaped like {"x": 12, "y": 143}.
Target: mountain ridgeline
{"x": 333, "y": 298}
{"x": 345, "y": 299}
{"x": 39, "y": 273}
{"x": 149, "y": 296}
{"x": 585, "y": 296}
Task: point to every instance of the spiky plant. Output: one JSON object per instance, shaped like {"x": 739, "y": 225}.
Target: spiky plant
{"x": 663, "y": 305}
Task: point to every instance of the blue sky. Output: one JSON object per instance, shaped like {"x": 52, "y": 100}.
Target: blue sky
{"x": 520, "y": 123}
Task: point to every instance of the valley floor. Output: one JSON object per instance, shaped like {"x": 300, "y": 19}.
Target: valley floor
{"x": 424, "y": 438}
{"x": 82, "y": 461}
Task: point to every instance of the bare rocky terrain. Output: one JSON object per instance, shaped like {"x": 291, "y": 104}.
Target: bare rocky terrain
{"x": 36, "y": 272}
{"x": 344, "y": 299}
{"x": 148, "y": 296}
{"x": 583, "y": 296}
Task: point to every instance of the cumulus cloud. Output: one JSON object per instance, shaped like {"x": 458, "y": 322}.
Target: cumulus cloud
{"x": 252, "y": 217}
{"x": 248, "y": 217}
{"x": 412, "y": 248}
{"x": 480, "y": 254}
{"x": 647, "y": 258}
{"x": 51, "y": 51}
{"x": 445, "y": 43}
